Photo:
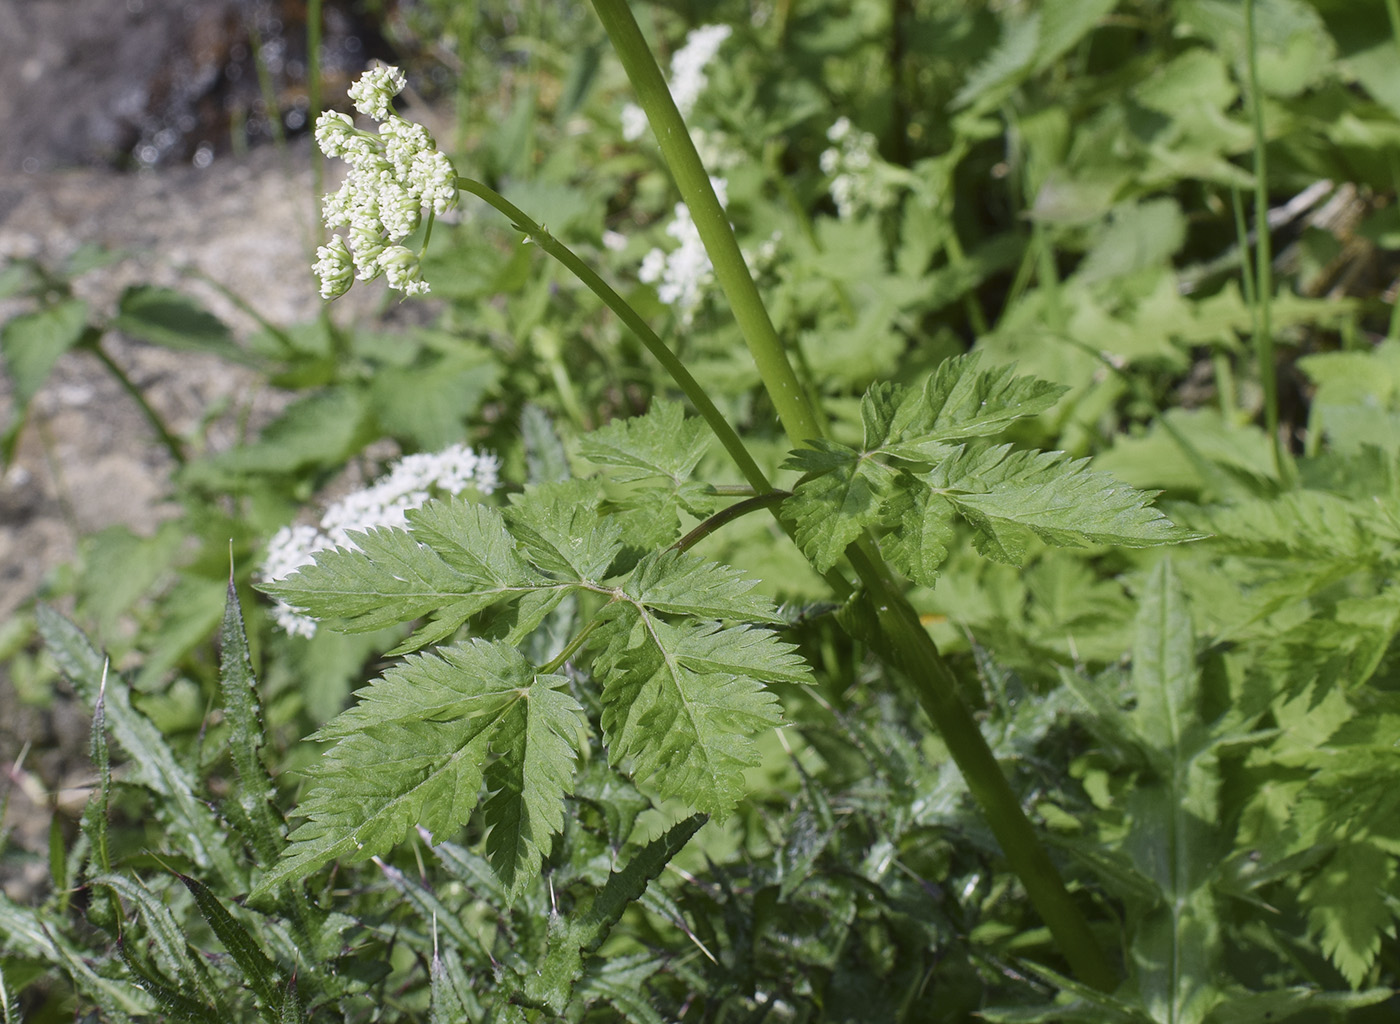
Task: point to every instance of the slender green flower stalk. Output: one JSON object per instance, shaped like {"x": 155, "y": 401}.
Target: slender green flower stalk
{"x": 904, "y": 640}
{"x": 537, "y": 234}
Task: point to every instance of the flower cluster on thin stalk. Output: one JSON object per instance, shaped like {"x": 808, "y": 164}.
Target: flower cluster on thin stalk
{"x": 396, "y": 173}
{"x": 410, "y": 482}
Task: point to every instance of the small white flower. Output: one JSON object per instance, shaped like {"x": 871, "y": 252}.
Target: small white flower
{"x": 859, "y": 180}
{"x": 333, "y": 132}
{"x": 402, "y": 270}
{"x": 409, "y": 484}
{"x": 375, "y": 89}
{"x": 334, "y": 268}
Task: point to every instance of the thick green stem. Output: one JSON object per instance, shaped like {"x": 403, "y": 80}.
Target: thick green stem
{"x": 907, "y": 644}
{"x": 904, "y": 639}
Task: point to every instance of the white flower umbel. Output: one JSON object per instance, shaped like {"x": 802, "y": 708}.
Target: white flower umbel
{"x": 410, "y": 482}
{"x": 690, "y": 64}
{"x": 396, "y": 172}
{"x": 859, "y": 179}
{"x": 682, "y": 275}
{"x": 689, "y": 76}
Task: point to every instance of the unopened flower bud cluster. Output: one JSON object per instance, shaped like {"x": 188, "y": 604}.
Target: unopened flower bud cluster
{"x": 396, "y": 172}
{"x": 858, "y": 178}
{"x": 409, "y": 484}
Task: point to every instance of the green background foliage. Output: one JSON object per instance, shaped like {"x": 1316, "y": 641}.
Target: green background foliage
{"x": 558, "y": 793}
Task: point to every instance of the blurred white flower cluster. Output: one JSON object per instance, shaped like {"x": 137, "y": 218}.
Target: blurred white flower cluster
{"x": 395, "y": 173}
{"x": 682, "y": 274}
{"x": 688, "y": 76}
{"x": 410, "y": 482}
{"x": 858, "y": 178}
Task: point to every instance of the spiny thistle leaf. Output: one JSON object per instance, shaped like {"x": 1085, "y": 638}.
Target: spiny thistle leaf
{"x": 553, "y": 980}
{"x": 660, "y": 444}
{"x": 153, "y": 763}
{"x": 243, "y": 712}
{"x": 164, "y": 936}
{"x": 450, "y": 989}
{"x": 261, "y": 974}
{"x": 413, "y": 751}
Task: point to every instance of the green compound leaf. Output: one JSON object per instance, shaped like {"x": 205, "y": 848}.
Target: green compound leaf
{"x": 921, "y": 546}
{"x": 1349, "y": 909}
{"x": 414, "y": 751}
{"x": 386, "y": 579}
{"x": 833, "y": 508}
{"x": 1054, "y": 496}
{"x": 681, "y": 701}
{"x": 455, "y": 560}
{"x": 1006, "y": 496}
{"x": 660, "y": 444}
{"x": 685, "y": 584}
{"x": 559, "y": 527}
{"x": 473, "y": 540}
{"x": 960, "y": 401}
{"x": 846, "y": 491}
{"x": 535, "y": 744}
